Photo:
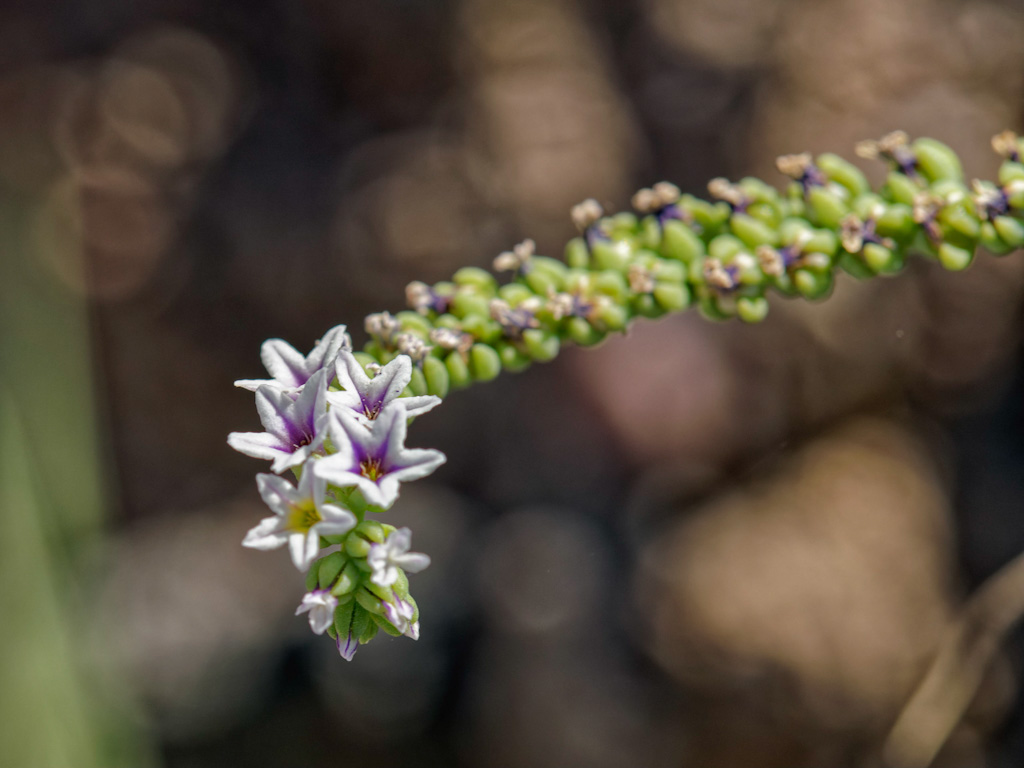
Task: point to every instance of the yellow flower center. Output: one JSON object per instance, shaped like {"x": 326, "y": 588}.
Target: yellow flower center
{"x": 371, "y": 468}
{"x": 303, "y": 516}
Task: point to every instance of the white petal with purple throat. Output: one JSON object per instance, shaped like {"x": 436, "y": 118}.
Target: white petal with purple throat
{"x": 291, "y": 369}
{"x": 391, "y": 556}
{"x": 301, "y": 516}
{"x": 374, "y": 460}
{"x": 368, "y": 396}
{"x": 293, "y": 423}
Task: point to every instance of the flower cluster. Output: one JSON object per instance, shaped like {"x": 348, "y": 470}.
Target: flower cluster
{"x": 342, "y": 429}
{"x": 338, "y": 421}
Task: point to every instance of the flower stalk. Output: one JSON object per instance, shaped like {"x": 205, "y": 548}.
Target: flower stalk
{"x": 338, "y": 419}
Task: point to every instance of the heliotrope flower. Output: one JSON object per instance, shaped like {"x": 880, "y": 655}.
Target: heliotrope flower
{"x": 387, "y": 558}
{"x": 292, "y": 423}
{"x": 374, "y": 460}
{"x": 367, "y": 396}
{"x": 401, "y": 613}
{"x": 320, "y": 605}
{"x": 291, "y": 369}
{"x": 301, "y": 516}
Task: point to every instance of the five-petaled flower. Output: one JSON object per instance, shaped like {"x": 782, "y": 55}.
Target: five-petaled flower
{"x": 292, "y": 422}
{"x": 291, "y": 369}
{"x": 374, "y": 460}
{"x": 387, "y": 558}
{"x": 368, "y": 396}
{"x": 301, "y": 516}
{"x": 320, "y": 605}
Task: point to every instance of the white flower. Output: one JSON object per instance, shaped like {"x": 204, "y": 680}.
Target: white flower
{"x": 387, "y": 558}
{"x": 301, "y": 517}
{"x": 291, "y": 369}
{"x": 374, "y": 460}
{"x": 401, "y": 613}
{"x": 368, "y": 397}
{"x": 293, "y": 424}
{"x": 320, "y": 604}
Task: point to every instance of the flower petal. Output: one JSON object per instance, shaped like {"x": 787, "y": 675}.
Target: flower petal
{"x": 268, "y": 534}
{"x": 284, "y": 362}
{"x": 260, "y": 445}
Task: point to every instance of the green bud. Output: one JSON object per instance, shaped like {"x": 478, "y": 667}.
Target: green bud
{"x": 1010, "y": 230}
{"x": 712, "y": 308}
{"x": 357, "y": 547}
{"x": 842, "y": 172}
{"x": 724, "y": 247}
{"x": 937, "y": 161}
{"x": 650, "y": 232}
{"x": 477, "y": 278}
{"x": 672, "y": 297}
{"x": 611, "y": 283}
{"x": 1015, "y": 197}
{"x": 957, "y": 218}
{"x": 382, "y": 593}
{"x": 644, "y": 305}
{"x": 583, "y": 333}
{"x": 414, "y": 322}
{"x": 347, "y": 581}
{"x": 513, "y": 359}
{"x": 368, "y": 601}
{"x": 896, "y": 221}
{"x": 458, "y": 371}
{"x": 680, "y": 242}
{"x": 513, "y": 293}
{"x": 623, "y": 224}
{"x": 448, "y": 321}
{"x": 878, "y": 257}
{"x": 436, "y": 374}
{"x": 822, "y": 241}
{"x": 1010, "y": 171}
{"x": 484, "y": 363}
{"x": 386, "y": 625}
{"x": 541, "y": 345}
{"x": 953, "y": 258}
{"x": 668, "y": 271}
{"x": 826, "y": 207}
{"x": 469, "y": 302}
{"x": 752, "y": 309}
{"x": 371, "y": 530}
{"x": 612, "y": 254}
{"x": 611, "y": 317}
{"x": 577, "y": 255}
{"x": 541, "y": 282}
{"x": 751, "y": 231}
{"x": 329, "y": 568}
{"x": 854, "y": 266}
{"x": 482, "y": 328}
{"x": 901, "y": 188}
{"x": 812, "y": 285}
{"x": 710, "y": 216}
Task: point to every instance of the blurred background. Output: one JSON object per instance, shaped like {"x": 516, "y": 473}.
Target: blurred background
{"x": 702, "y": 545}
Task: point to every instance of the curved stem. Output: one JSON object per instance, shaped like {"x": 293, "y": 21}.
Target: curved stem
{"x": 964, "y": 655}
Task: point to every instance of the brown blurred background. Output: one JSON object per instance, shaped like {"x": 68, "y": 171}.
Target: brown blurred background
{"x": 702, "y": 545}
